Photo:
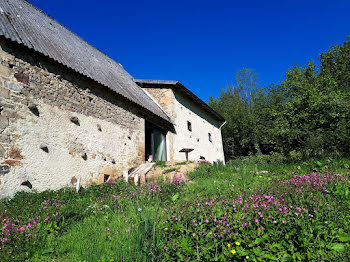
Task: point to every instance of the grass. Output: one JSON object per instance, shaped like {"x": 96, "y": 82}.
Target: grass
{"x": 203, "y": 220}
{"x": 169, "y": 170}
{"x": 182, "y": 163}
{"x": 161, "y": 164}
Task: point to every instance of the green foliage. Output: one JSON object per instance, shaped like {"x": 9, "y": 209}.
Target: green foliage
{"x": 305, "y": 115}
{"x": 236, "y": 105}
{"x": 181, "y": 163}
{"x": 160, "y": 164}
{"x": 211, "y": 218}
{"x": 169, "y": 170}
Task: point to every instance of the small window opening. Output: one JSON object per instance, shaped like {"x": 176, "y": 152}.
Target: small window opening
{"x": 27, "y": 184}
{"x": 75, "y": 120}
{"x": 113, "y": 162}
{"x": 106, "y": 178}
{"x": 209, "y": 135}
{"x": 34, "y": 109}
{"x": 84, "y": 156}
{"x": 99, "y": 127}
{"x": 189, "y": 126}
{"x": 129, "y": 137}
{"x": 197, "y": 139}
{"x": 44, "y": 148}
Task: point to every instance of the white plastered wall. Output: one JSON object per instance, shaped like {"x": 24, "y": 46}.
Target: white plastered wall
{"x": 198, "y": 139}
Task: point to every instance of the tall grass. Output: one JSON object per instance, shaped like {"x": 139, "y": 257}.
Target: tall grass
{"x": 120, "y": 222}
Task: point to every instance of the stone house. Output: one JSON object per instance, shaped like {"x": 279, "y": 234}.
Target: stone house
{"x": 69, "y": 112}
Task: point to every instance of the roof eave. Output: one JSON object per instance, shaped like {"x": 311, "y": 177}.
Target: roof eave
{"x": 183, "y": 89}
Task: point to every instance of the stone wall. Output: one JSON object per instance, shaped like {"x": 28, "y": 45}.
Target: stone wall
{"x": 165, "y": 98}
{"x": 57, "y": 126}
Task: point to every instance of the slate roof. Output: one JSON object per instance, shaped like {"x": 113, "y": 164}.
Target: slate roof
{"x": 22, "y": 22}
{"x": 178, "y": 86}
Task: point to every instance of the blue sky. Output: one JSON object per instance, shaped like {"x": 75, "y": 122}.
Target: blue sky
{"x": 203, "y": 43}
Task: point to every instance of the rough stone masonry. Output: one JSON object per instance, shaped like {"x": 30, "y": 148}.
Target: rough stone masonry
{"x": 57, "y": 126}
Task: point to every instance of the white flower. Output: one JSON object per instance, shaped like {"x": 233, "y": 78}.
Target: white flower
{"x": 139, "y": 209}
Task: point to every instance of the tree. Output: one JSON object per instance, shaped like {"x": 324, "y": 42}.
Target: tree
{"x": 235, "y": 104}
{"x": 308, "y": 112}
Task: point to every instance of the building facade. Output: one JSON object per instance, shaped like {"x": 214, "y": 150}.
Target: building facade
{"x": 69, "y": 112}
{"x": 196, "y": 126}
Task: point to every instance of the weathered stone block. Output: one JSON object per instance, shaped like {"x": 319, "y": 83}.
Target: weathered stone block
{"x": 5, "y": 71}
{"x": 4, "y": 169}
{"x": 23, "y": 78}
{"x": 5, "y": 93}
{"x": 9, "y": 113}
{"x": 4, "y": 139}
{"x": 2, "y": 152}
{"x": 4, "y": 123}
{"x": 14, "y": 87}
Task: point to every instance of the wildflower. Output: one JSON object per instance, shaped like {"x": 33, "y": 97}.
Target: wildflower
{"x": 166, "y": 229}
{"x": 194, "y": 234}
{"x": 237, "y": 243}
{"x": 233, "y": 251}
{"x": 228, "y": 245}
{"x": 139, "y": 209}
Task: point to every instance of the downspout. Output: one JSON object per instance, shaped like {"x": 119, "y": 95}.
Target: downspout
{"x": 220, "y": 132}
{"x": 222, "y": 125}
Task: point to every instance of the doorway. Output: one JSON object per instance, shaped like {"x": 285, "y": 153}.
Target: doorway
{"x": 155, "y": 143}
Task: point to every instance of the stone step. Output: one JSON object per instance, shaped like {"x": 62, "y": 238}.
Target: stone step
{"x": 138, "y": 176}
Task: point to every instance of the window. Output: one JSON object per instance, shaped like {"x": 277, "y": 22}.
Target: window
{"x": 189, "y": 126}
{"x": 209, "y": 135}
